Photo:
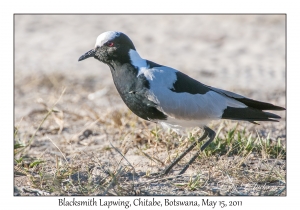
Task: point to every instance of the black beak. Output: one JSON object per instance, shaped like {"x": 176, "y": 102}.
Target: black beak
{"x": 88, "y": 54}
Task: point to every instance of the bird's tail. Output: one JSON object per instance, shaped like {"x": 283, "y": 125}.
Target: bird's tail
{"x": 258, "y": 104}
{"x": 249, "y": 114}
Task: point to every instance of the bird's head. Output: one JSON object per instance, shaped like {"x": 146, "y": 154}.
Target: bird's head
{"x": 110, "y": 47}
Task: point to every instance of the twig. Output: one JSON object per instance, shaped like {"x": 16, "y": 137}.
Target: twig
{"x": 126, "y": 160}
{"x": 44, "y": 119}
{"x": 151, "y": 158}
{"x": 113, "y": 180}
{"x": 58, "y": 148}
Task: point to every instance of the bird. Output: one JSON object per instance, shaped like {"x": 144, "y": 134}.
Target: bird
{"x": 164, "y": 95}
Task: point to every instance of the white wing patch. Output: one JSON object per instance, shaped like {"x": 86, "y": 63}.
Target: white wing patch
{"x": 148, "y": 73}
{"x": 162, "y": 76}
{"x": 137, "y": 61}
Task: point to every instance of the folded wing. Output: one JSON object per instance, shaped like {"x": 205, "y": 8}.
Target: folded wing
{"x": 181, "y": 97}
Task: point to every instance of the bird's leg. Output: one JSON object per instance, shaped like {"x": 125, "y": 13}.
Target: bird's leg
{"x": 169, "y": 167}
{"x": 211, "y": 136}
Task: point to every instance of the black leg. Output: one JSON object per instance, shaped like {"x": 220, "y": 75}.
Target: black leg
{"x": 211, "y": 136}
{"x": 169, "y": 167}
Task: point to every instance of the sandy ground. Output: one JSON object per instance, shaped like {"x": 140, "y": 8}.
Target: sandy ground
{"x": 240, "y": 53}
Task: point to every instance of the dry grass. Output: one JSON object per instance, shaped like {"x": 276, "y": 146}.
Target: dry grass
{"x": 67, "y": 144}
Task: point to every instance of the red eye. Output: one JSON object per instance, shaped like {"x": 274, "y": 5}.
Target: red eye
{"x": 110, "y": 44}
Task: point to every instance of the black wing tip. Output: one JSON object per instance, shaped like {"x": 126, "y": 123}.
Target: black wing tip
{"x": 259, "y": 104}
{"x": 260, "y": 120}
{"x": 274, "y": 107}
{"x": 249, "y": 114}
{"x": 254, "y": 120}
{"x": 271, "y": 115}
{"x": 279, "y": 108}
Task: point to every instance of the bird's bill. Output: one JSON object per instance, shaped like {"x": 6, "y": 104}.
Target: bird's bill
{"x": 88, "y": 54}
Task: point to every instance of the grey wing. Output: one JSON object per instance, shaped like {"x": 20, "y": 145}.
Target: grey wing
{"x": 181, "y": 97}
{"x": 186, "y": 106}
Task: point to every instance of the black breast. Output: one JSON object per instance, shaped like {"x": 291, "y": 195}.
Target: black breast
{"x": 133, "y": 90}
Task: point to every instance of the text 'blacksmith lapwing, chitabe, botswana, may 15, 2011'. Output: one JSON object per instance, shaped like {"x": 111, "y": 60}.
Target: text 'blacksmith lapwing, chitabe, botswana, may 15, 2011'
{"x": 167, "y": 96}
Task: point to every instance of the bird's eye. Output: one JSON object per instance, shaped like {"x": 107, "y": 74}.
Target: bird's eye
{"x": 110, "y": 44}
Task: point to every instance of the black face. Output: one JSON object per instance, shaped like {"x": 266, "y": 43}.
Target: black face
{"x": 113, "y": 50}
